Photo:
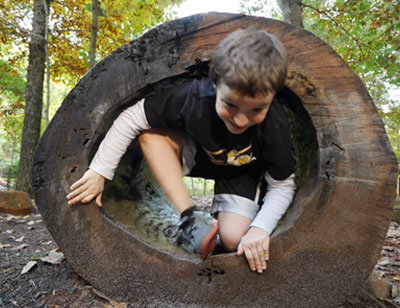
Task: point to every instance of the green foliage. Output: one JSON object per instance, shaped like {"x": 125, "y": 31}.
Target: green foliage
{"x": 12, "y": 84}
{"x": 365, "y": 33}
{"x": 199, "y": 186}
{"x": 12, "y": 93}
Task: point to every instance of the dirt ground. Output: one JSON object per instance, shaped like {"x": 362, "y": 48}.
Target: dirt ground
{"x": 25, "y": 239}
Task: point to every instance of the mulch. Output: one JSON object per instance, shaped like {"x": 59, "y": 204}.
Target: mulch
{"x": 25, "y": 238}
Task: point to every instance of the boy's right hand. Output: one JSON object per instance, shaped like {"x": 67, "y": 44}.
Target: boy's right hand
{"x": 90, "y": 186}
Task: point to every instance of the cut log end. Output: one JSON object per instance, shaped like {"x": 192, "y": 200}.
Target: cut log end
{"x": 345, "y": 167}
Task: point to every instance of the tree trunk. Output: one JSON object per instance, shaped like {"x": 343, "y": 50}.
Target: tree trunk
{"x": 47, "y": 109}
{"x": 333, "y": 233}
{"x": 292, "y": 12}
{"x": 34, "y": 95}
{"x": 93, "y": 34}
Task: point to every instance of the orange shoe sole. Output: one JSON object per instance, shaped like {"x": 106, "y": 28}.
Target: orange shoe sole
{"x": 209, "y": 243}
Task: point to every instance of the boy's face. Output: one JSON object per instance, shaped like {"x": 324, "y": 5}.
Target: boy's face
{"x": 239, "y": 111}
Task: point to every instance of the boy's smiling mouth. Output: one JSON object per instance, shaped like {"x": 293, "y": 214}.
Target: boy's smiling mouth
{"x": 235, "y": 129}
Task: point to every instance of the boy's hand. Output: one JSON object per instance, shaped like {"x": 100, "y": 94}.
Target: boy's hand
{"x": 90, "y": 186}
{"x": 255, "y": 245}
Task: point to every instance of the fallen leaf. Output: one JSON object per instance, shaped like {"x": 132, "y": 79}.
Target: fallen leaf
{"x": 22, "y": 246}
{"x": 116, "y": 304}
{"x": 20, "y": 239}
{"x": 28, "y": 267}
{"x": 10, "y": 217}
{"x": 31, "y": 223}
{"x": 47, "y": 243}
{"x": 4, "y": 245}
{"x": 9, "y": 231}
{"x": 396, "y": 278}
{"x": 111, "y": 303}
{"x": 54, "y": 257}
{"x": 100, "y": 294}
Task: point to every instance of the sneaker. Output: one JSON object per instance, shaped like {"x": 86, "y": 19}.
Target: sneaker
{"x": 197, "y": 233}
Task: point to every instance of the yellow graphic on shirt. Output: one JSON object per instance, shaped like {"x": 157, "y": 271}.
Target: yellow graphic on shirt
{"x": 232, "y": 157}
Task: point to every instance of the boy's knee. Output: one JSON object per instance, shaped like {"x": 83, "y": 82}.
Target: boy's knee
{"x": 232, "y": 227}
{"x": 229, "y": 241}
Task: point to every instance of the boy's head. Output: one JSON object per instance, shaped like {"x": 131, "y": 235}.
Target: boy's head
{"x": 250, "y": 61}
{"x": 248, "y": 68}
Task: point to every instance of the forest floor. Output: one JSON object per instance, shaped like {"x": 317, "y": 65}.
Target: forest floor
{"x": 51, "y": 281}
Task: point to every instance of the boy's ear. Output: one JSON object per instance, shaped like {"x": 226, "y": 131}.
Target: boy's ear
{"x": 215, "y": 87}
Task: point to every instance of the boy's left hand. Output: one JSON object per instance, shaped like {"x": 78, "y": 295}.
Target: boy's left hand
{"x": 255, "y": 245}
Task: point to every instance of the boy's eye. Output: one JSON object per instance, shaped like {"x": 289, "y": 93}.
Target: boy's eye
{"x": 256, "y": 110}
{"x": 229, "y": 105}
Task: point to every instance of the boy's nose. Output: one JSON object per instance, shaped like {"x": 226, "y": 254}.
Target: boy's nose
{"x": 241, "y": 119}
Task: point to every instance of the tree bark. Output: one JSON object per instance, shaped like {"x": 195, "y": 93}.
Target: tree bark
{"x": 93, "y": 35}
{"x": 292, "y": 12}
{"x": 47, "y": 108}
{"x": 34, "y": 95}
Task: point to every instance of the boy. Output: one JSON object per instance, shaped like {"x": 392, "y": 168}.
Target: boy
{"x": 227, "y": 127}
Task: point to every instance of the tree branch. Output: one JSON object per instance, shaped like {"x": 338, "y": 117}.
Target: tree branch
{"x": 14, "y": 26}
{"x": 339, "y": 26}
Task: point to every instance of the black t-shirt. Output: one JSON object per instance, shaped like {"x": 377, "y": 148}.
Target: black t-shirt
{"x": 191, "y": 108}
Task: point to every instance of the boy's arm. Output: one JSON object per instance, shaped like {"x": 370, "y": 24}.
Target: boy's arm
{"x": 255, "y": 243}
{"x": 277, "y": 199}
{"x": 125, "y": 128}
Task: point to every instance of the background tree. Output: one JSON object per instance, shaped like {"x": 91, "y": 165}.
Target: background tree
{"x": 34, "y": 94}
{"x": 292, "y": 12}
{"x": 93, "y": 35}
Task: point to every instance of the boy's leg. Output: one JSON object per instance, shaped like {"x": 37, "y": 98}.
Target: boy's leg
{"x": 163, "y": 149}
{"x": 237, "y": 192}
{"x": 232, "y": 227}
{"x": 163, "y": 152}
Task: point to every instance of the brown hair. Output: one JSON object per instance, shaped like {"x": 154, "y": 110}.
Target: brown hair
{"x": 251, "y": 61}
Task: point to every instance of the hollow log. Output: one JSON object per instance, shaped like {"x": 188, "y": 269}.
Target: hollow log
{"x": 332, "y": 235}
